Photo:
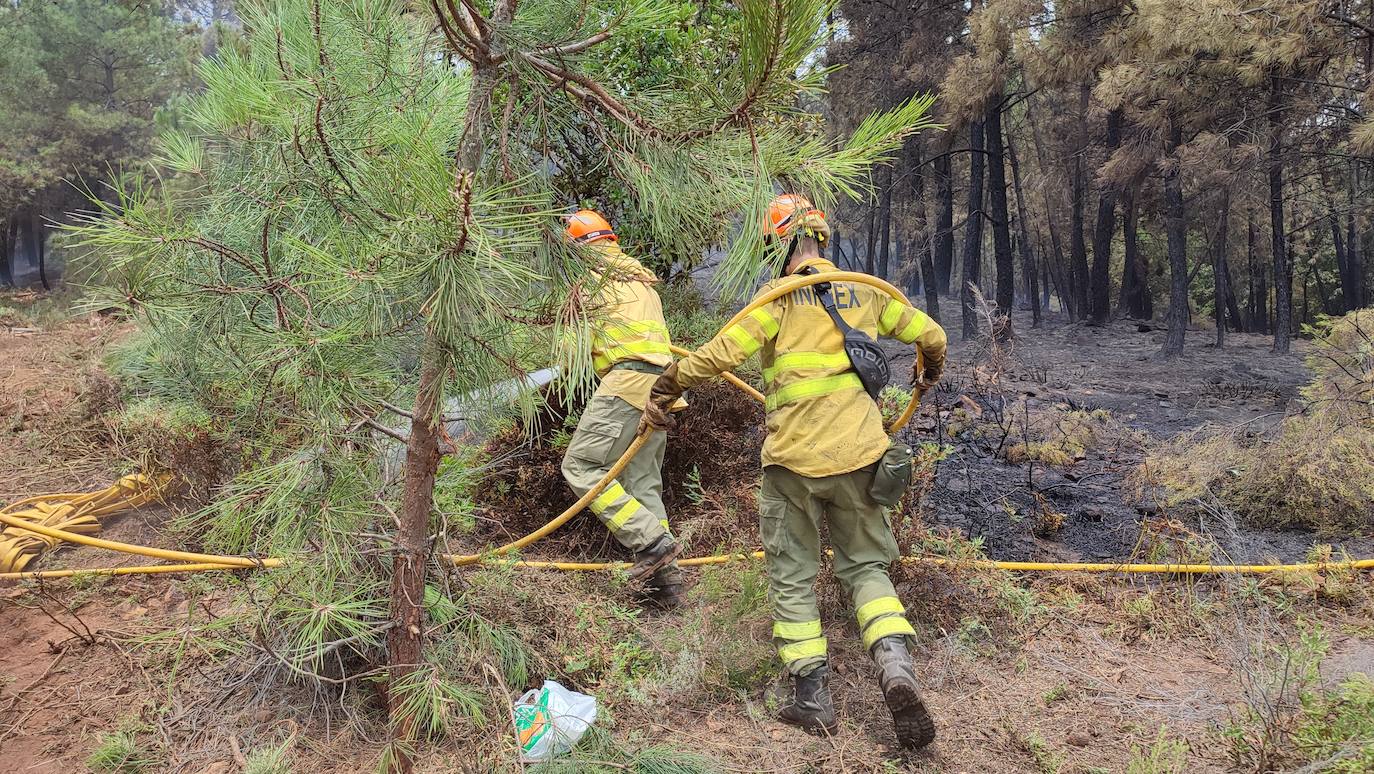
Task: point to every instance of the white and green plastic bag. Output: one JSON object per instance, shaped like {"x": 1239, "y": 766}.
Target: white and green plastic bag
{"x": 549, "y": 721}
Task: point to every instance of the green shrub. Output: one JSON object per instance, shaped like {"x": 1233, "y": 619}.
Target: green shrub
{"x": 1165, "y": 756}
{"x": 1337, "y": 725}
{"x": 120, "y": 753}
{"x": 268, "y": 760}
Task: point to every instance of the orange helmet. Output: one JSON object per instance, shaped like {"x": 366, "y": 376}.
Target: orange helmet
{"x": 784, "y": 212}
{"x": 586, "y": 226}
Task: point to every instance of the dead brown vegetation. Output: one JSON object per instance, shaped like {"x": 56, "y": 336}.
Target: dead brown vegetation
{"x": 1313, "y": 470}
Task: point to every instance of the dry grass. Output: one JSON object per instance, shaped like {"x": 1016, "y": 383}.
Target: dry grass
{"x": 1315, "y": 470}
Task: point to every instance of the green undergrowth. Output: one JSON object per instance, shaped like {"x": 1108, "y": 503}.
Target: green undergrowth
{"x": 123, "y": 751}
{"x": 1294, "y": 717}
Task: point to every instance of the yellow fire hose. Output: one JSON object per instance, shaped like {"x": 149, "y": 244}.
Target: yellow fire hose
{"x": 196, "y": 562}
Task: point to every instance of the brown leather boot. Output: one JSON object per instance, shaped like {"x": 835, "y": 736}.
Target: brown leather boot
{"x": 664, "y": 551}
{"x": 897, "y": 678}
{"x": 665, "y": 588}
{"x": 811, "y": 707}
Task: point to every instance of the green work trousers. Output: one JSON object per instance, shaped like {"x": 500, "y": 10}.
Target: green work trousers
{"x": 631, "y": 506}
{"x": 791, "y": 509}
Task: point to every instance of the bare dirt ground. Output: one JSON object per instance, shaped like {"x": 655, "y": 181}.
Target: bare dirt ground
{"x": 52, "y": 393}
{"x": 1030, "y": 674}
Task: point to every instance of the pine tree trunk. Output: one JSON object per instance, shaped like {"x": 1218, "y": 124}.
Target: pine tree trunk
{"x": 1135, "y": 283}
{"x": 1354, "y": 253}
{"x": 1099, "y": 301}
{"x": 1001, "y": 219}
{"x": 1219, "y": 288}
{"x": 973, "y": 231}
{"x": 404, "y": 640}
{"x": 1078, "y": 249}
{"x": 1232, "y": 302}
{"x": 1177, "y": 230}
{"x": 924, "y": 244}
{"x": 1258, "y": 298}
{"x": 1023, "y": 227}
{"x": 870, "y": 256}
{"x": 1283, "y": 269}
{"x": 1338, "y": 247}
{"x": 6, "y": 251}
{"x": 1044, "y": 281}
{"x": 40, "y": 251}
{"x": 884, "y": 250}
{"x": 944, "y": 222}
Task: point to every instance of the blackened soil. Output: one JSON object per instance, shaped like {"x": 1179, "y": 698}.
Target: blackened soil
{"x": 711, "y": 467}
{"x": 1243, "y": 386}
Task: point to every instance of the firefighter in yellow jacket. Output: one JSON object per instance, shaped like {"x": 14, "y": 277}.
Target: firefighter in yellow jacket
{"x": 629, "y": 351}
{"x": 825, "y": 438}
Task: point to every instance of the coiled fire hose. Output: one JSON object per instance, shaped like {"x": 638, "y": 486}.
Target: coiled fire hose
{"x": 197, "y": 562}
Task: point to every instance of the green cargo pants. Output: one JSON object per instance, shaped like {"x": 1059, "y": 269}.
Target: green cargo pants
{"x": 632, "y": 505}
{"x": 791, "y": 508}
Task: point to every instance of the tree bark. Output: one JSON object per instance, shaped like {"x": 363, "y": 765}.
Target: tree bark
{"x": 973, "y": 231}
{"x": 870, "y": 254}
{"x": 884, "y": 249}
{"x": 1219, "y": 287}
{"x": 6, "y": 250}
{"x": 1177, "y": 230}
{"x": 1339, "y": 248}
{"x": 1078, "y": 250}
{"x": 1023, "y": 228}
{"x": 1283, "y": 269}
{"x": 1099, "y": 301}
{"x": 1001, "y": 219}
{"x": 1354, "y": 289}
{"x": 1139, "y": 300}
{"x": 944, "y": 223}
{"x": 404, "y": 640}
{"x": 1232, "y": 302}
{"x": 924, "y": 244}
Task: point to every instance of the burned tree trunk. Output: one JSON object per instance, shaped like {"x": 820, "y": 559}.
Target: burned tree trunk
{"x": 1283, "y": 269}
{"x": 1353, "y": 280}
{"x": 1219, "y": 287}
{"x": 1099, "y": 306}
{"x": 1023, "y": 227}
{"x": 944, "y": 223}
{"x": 1232, "y": 302}
{"x": 1176, "y": 227}
{"x": 973, "y": 231}
{"x": 1001, "y": 226}
{"x": 885, "y": 232}
{"x": 924, "y": 243}
{"x": 1078, "y": 249}
{"x": 870, "y": 256}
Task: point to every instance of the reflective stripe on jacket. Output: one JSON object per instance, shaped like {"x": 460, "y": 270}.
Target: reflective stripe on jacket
{"x": 820, "y": 420}
{"x": 630, "y": 326}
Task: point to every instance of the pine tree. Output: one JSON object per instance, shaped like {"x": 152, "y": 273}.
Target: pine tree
{"x": 366, "y": 215}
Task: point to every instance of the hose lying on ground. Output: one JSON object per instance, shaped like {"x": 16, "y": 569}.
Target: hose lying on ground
{"x": 196, "y": 562}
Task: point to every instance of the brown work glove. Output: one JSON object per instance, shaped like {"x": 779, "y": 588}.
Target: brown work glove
{"x": 664, "y": 394}
{"x": 925, "y": 374}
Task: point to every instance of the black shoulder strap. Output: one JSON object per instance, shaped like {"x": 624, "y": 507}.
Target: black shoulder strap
{"x": 823, "y": 292}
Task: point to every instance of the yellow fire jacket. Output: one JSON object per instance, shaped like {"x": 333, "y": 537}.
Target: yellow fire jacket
{"x": 629, "y": 327}
{"x": 820, "y": 420}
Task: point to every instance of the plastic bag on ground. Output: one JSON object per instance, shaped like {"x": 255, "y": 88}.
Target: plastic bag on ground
{"x": 549, "y": 721}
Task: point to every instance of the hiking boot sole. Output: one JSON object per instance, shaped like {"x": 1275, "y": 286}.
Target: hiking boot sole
{"x": 915, "y": 728}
